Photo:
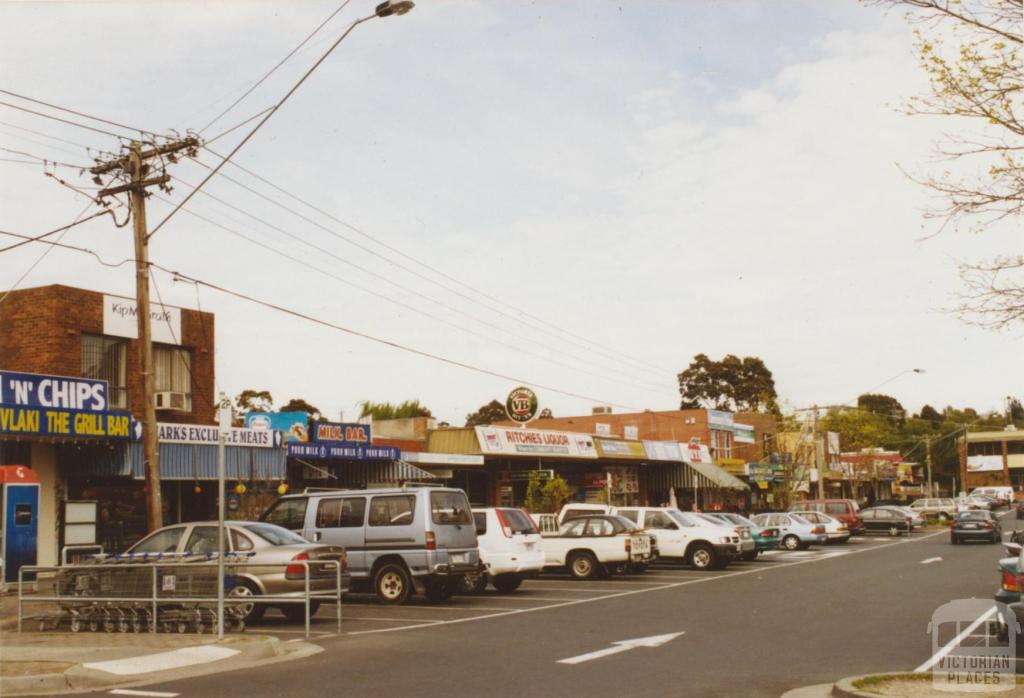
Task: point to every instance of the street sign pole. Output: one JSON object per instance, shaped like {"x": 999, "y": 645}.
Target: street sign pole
{"x": 224, "y": 420}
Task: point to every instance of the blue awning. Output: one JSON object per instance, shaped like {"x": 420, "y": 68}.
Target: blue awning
{"x": 199, "y": 462}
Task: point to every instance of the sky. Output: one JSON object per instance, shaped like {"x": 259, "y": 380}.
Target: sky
{"x": 576, "y": 196}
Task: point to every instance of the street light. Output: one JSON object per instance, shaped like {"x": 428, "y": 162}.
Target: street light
{"x": 394, "y": 7}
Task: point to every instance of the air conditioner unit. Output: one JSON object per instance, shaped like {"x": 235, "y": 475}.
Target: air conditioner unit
{"x": 171, "y": 401}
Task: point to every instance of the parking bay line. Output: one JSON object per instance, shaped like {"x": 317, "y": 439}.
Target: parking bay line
{"x": 674, "y": 585}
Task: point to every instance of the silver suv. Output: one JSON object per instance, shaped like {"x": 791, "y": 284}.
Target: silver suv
{"x": 398, "y": 539}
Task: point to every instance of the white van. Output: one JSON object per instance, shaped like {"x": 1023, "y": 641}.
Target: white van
{"x": 1004, "y": 493}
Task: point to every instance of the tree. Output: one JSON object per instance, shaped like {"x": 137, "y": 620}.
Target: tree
{"x": 930, "y": 414}
{"x": 1016, "y": 411}
{"x": 490, "y": 413}
{"x": 297, "y": 404}
{"x": 859, "y": 429}
{"x": 730, "y": 384}
{"x": 250, "y": 400}
{"x": 555, "y": 493}
{"x": 546, "y": 414}
{"x": 884, "y": 405}
{"x": 385, "y": 410}
{"x": 971, "y": 51}
{"x": 534, "y": 501}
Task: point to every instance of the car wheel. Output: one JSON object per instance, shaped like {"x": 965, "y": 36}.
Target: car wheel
{"x": 473, "y": 583}
{"x": 702, "y": 556}
{"x": 995, "y": 538}
{"x": 438, "y": 589}
{"x": 507, "y": 583}
{"x": 791, "y": 542}
{"x": 296, "y": 613}
{"x": 249, "y": 612}
{"x": 750, "y": 555}
{"x": 583, "y": 565}
{"x": 392, "y": 584}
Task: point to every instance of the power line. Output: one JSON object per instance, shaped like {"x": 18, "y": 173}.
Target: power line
{"x": 370, "y": 291}
{"x": 279, "y": 64}
{"x": 386, "y": 342}
{"x": 44, "y": 160}
{"x": 260, "y": 124}
{"x": 86, "y": 250}
{"x": 76, "y": 113}
{"x": 403, "y": 267}
{"x": 63, "y": 232}
{"x": 64, "y": 121}
{"x": 42, "y": 238}
{"x": 237, "y": 126}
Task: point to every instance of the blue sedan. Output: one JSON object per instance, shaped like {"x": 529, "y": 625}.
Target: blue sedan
{"x": 797, "y": 533}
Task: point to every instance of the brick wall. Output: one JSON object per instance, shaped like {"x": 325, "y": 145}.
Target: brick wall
{"x": 41, "y": 329}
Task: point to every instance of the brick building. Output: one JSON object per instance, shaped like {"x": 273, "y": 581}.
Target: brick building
{"x": 78, "y": 337}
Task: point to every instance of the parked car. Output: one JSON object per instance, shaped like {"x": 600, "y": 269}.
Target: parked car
{"x": 268, "y": 549}
{"x": 1002, "y": 494}
{"x": 399, "y": 539}
{"x": 846, "y": 510}
{"x": 974, "y": 502}
{"x": 702, "y": 543}
{"x": 975, "y": 525}
{"x": 891, "y": 520}
{"x": 834, "y": 528}
{"x": 596, "y": 546}
{"x": 796, "y": 532}
{"x": 510, "y": 549}
{"x": 765, "y": 537}
{"x": 748, "y": 549}
{"x": 917, "y": 519}
{"x": 944, "y": 508}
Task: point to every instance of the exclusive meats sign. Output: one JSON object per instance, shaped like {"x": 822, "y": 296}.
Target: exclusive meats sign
{"x": 535, "y": 442}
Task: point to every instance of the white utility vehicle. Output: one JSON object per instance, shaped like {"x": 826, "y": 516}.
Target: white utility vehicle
{"x": 692, "y": 538}
{"x": 597, "y": 545}
{"x": 510, "y": 549}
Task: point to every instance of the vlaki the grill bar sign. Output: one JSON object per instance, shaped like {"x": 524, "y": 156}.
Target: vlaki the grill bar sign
{"x": 521, "y": 405}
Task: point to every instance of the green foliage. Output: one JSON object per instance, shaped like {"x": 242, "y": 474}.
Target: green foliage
{"x": 730, "y": 384}
{"x": 930, "y": 414}
{"x": 297, "y": 404}
{"x": 534, "y": 501}
{"x": 546, "y": 414}
{"x": 859, "y": 429}
{"x": 385, "y": 410}
{"x": 555, "y": 492}
{"x": 490, "y": 413}
{"x": 884, "y": 406}
{"x": 250, "y": 400}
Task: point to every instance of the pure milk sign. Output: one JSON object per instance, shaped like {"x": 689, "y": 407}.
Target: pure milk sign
{"x": 121, "y": 319}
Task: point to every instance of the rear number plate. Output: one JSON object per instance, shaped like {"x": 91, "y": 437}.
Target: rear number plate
{"x": 458, "y": 558}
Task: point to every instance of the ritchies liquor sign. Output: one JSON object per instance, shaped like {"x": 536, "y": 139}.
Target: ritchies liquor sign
{"x": 515, "y": 441}
{"x": 521, "y": 405}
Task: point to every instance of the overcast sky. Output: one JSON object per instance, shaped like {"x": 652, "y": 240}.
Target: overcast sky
{"x": 580, "y": 195}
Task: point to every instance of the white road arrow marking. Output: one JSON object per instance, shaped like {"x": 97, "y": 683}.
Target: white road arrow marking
{"x": 931, "y": 560}
{"x": 622, "y": 646}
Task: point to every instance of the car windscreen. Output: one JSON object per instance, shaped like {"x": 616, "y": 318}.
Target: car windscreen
{"x": 275, "y": 535}
{"x": 684, "y": 518}
{"x": 973, "y": 515}
{"x": 450, "y": 508}
{"x": 708, "y": 518}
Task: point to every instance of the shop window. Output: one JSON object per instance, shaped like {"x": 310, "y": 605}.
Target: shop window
{"x": 173, "y": 372}
{"x": 985, "y": 448}
{"x": 104, "y": 358}
{"x": 1015, "y": 448}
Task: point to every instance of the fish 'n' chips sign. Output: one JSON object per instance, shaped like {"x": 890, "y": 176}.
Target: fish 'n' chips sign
{"x": 32, "y": 404}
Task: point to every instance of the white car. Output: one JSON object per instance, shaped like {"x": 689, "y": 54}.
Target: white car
{"x": 835, "y": 529}
{"x": 597, "y": 545}
{"x": 510, "y": 549}
{"x": 700, "y": 542}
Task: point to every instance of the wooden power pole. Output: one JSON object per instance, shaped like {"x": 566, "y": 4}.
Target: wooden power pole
{"x": 134, "y": 165}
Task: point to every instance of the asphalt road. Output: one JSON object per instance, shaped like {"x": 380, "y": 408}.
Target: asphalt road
{"x": 757, "y": 629}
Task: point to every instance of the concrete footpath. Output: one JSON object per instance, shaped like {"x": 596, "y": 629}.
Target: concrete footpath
{"x": 56, "y": 661}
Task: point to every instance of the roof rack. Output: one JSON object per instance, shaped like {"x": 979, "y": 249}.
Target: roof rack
{"x": 312, "y": 490}
{"x": 422, "y": 484}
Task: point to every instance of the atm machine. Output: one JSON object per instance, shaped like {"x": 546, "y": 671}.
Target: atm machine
{"x": 19, "y": 521}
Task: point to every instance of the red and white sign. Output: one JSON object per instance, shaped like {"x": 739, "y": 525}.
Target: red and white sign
{"x": 525, "y": 442}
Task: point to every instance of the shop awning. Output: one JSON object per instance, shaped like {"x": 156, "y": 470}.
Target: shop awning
{"x": 362, "y": 473}
{"x": 195, "y": 462}
{"x": 710, "y": 475}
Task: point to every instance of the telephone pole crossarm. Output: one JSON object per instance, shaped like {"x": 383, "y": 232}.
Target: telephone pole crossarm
{"x": 165, "y": 149}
